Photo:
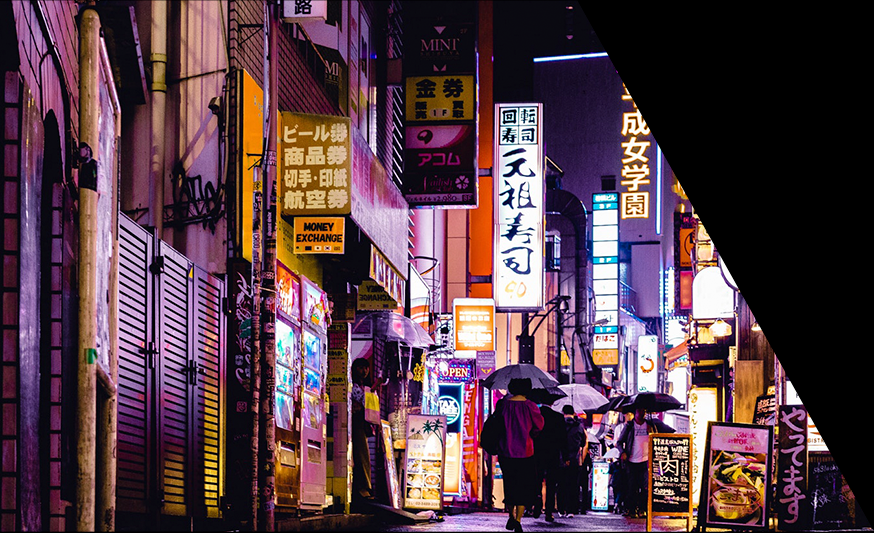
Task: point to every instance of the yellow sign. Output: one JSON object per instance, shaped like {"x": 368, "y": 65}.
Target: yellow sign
{"x": 372, "y": 297}
{"x": 606, "y": 357}
{"x": 441, "y": 98}
{"x": 319, "y": 235}
{"x": 315, "y": 165}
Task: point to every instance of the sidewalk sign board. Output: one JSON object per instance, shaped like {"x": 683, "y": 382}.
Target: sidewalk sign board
{"x": 424, "y": 462}
{"x": 670, "y": 477}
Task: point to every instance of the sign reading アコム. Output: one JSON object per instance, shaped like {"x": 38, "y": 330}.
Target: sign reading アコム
{"x": 315, "y": 165}
{"x": 519, "y": 207}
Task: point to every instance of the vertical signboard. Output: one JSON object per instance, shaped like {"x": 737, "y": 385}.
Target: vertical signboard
{"x": 736, "y": 488}
{"x": 519, "y": 207}
{"x": 792, "y": 503}
{"x": 391, "y": 475}
{"x": 670, "y": 477}
{"x": 702, "y": 411}
{"x": 423, "y": 462}
{"x": 600, "y": 485}
{"x": 647, "y": 363}
{"x": 635, "y": 162}
{"x": 605, "y": 277}
{"x": 440, "y": 161}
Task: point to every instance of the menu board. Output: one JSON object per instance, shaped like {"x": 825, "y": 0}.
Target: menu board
{"x": 390, "y": 471}
{"x": 670, "y": 481}
{"x": 735, "y": 490}
{"x": 424, "y": 462}
{"x": 765, "y": 414}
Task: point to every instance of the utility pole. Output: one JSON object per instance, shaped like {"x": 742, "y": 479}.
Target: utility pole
{"x": 268, "y": 273}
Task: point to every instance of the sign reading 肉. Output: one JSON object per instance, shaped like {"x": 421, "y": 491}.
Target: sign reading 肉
{"x": 424, "y": 458}
{"x": 735, "y": 490}
{"x": 670, "y": 480}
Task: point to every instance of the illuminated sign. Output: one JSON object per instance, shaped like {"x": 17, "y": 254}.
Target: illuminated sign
{"x": 647, "y": 363}
{"x": 635, "y": 163}
{"x": 712, "y": 298}
{"x": 605, "y": 277}
{"x": 474, "y": 324}
{"x": 319, "y": 235}
{"x": 455, "y": 372}
{"x": 315, "y": 165}
{"x": 288, "y": 292}
{"x": 519, "y": 207}
{"x": 386, "y": 276}
{"x": 702, "y": 409}
{"x": 441, "y": 98}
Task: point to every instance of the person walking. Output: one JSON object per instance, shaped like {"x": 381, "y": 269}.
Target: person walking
{"x": 361, "y": 430}
{"x": 548, "y": 446}
{"x": 522, "y": 422}
{"x": 633, "y": 445}
{"x": 575, "y": 449}
{"x": 585, "y": 468}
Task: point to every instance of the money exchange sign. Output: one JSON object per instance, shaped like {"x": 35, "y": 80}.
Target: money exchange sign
{"x": 519, "y": 207}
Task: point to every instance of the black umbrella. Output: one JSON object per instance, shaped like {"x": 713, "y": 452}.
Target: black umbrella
{"x": 615, "y": 404}
{"x": 500, "y": 378}
{"x": 651, "y": 402}
{"x": 546, "y": 396}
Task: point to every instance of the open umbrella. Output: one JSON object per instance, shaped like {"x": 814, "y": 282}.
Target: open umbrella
{"x": 652, "y": 402}
{"x": 613, "y": 404}
{"x": 581, "y": 396}
{"x": 547, "y": 396}
{"x": 500, "y": 378}
{"x": 394, "y": 327}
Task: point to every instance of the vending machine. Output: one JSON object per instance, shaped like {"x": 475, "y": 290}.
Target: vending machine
{"x": 288, "y": 387}
{"x": 313, "y": 429}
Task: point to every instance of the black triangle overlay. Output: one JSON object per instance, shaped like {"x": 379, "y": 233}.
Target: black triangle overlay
{"x": 754, "y": 111}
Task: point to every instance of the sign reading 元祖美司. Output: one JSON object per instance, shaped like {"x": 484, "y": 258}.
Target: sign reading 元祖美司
{"x": 519, "y": 207}
{"x": 605, "y": 277}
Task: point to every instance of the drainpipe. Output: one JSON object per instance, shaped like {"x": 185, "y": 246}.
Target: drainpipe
{"x": 89, "y": 109}
{"x": 158, "y": 57}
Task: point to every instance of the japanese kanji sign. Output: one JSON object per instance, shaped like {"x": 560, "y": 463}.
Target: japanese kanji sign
{"x": 297, "y": 10}
{"x": 315, "y": 165}
{"x": 605, "y": 277}
{"x": 441, "y": 98}
{"x": 519, "y": 207}
{"x": 635, "y": 162}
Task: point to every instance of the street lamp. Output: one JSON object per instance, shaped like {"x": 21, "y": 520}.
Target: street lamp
{"x": 526, "y": 340}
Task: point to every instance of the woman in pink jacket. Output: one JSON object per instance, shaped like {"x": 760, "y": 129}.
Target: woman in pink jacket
{"x": 523, "y": 421}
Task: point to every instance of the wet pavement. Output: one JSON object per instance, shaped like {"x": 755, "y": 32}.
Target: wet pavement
{"x": 495, "y": 521}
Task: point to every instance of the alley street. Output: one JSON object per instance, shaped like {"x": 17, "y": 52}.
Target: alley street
{"x": 593, "y": 521}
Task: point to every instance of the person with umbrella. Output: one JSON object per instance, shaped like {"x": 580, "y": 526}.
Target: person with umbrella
{"x": 633, "y": 444}
{"x": 575, "y": 451}
{"x": 522, "y": 422}
{"x": 548, "y": 446}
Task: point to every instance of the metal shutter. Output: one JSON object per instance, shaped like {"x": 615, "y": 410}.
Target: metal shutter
{"x": 174, "y": 404}
{"x": 135, "y": 373}
{"x": 208, "y": 356}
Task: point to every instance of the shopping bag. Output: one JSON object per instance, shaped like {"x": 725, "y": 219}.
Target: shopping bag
{"x": 493, "y": 433}
{"x": 371, "y": 406}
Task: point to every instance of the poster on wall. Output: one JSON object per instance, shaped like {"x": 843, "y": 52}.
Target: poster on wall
{"x": 391, "y": 474}
{"x": 735, "y": 489}
{"x": 423, "y": 461}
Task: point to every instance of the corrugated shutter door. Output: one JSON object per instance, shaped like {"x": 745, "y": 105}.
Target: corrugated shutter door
{"x": 135, "y": 375}
{"x": 174, "y": 405}
{"x": 209, "y": 354}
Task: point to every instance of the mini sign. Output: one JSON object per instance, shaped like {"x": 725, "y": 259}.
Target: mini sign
{"x": 474, "y": 323}
{"x": 319, "y": 235}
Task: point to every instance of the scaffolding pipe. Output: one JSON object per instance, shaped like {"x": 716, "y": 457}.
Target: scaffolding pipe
{"x": 89, "y": 110}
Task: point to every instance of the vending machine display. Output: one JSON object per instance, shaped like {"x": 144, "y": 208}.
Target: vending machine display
{"x": 287, "y": 373}
{"x": 314, "y": 323}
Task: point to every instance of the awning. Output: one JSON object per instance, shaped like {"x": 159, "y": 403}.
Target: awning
{"x": 676, "y": 352}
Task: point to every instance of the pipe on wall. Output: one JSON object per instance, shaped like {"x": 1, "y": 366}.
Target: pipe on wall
{"x": 158, "y": 58}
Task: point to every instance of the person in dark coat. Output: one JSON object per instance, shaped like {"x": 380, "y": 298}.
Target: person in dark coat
{"x": 548, "y": 447}
{"x": 576, "y": 447}
{"x": 523, "y": 422}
